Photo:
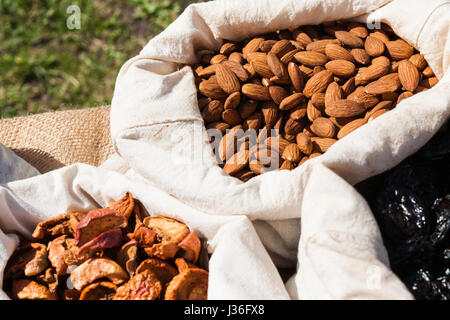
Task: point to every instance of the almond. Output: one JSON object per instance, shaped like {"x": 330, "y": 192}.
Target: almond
{"x": 277, "y": 143}
{"x": 282, "y": 47}
{"x": 336, "y": 52}
{"x": 312, "y": 112}
{"x": 358, "y": 29}
{"x": 361, "y": 96}
{"x": 252, "y": 46}
{"x": 247, "y": 108}
{"x": 256, "y": 92}
{"x": 232, "y": 101}
{"x": 292, "y": 153}
{"x": 302, "y": 37}
{"x": 399, "y": 49}
{"x": 291, "y": 101}
{"x": 408, "y": 75}
{"x": 320, "y": 45}
{"x": 237, "y": 69}
{"x": 231, "y": 116}
{"x": 226, "y": 79}
{"x": 213, "y": 111}
{"x": 349, "y": 39}
{"x": 267, "y": 45}
{"x": 323, "y": 127}
{"x": 348, "y": 87}
{"x": 332, "y": 93}
{"x": 228, "y": 143}
{"x": 253, "y": 122}
{"x": 387, "y": 83}
{"x": 289, "y": 57}
{"x": 249, "y": 69}
{"x": 374, "y": 71}
{"x": 360, "y": 56}
{"x": 428, "y": 72}
{"x": 304, "y": 143}
{"x": 208, "y": 71}
{"x": 219, "y": 126}
{"x": 375, "y": 115}
{"x": 228, "y": 48}
{"x": 277, "y": 93}
{"x": 318, "y": 100}
{"x": 296, "y": 77}
{"x": 218, "y": 58}
{"x": 293, "y": 127}
{"x": 211, "y": 89}
{"x": 318, "y": 83}
{"x": 258, "y": 61}
{"x": 270, "y": 112}
{"x": 299, "y": 112}
{"x": 237, "y": 162}
{"x": 276, "y": 66}
{"x": 404, "y": 95}
{"x": 286, "y": 165}
{"x": 381, "y": 35}
{"x": 382, "y": 105}
{"x": 321, "y": 145}
{"x": 374, "y": 46}
{"x": 344, "y": 108}
{"x": 418, "y": 61}
{"x": 257, "y": 167}
{"x": 311, "y": 58}
{"x": 349, "y": 127}
{"x": 236, "y": 57}
{"x": 341, "y": 68}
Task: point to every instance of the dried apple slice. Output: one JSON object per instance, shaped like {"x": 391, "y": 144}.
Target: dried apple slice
{"x": 96, "y": 222}
{"x": 72, "y": 256}
{"x": 191, "y": 284}
{"x": 50, "y": 279}
{"x": 143, "y": 286}
{"x": 71, "y": 294}
{"x": 145, "y": 237}
{"x": 103, "y": 290}
{"x": 123, "y": 206}
{"x": 127, "y": 256}
{"x": 29, "y": 260}
{"x": 97, "y": 268}
{"x": 63, "y": 224}
{"x": 56, "y": 249}
{"x": 191, "y": 246}
{"x": 31, "y": 290}
{"x": 163, "y": 271}
{"x": 182, "y": 264}
{"x": 169, "y": 233}
{"x": 108, "y": 239}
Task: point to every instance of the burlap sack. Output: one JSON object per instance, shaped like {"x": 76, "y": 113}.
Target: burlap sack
{"x": 55, "y": 139}
{"x": 157, "y": 129}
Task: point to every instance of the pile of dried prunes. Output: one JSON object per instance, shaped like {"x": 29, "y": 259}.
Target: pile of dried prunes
{"x": 411, "y": 204}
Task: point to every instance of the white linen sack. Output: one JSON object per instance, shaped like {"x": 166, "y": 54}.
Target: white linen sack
{"x": 239, "y": 267}
{"x": 158, "y": 130}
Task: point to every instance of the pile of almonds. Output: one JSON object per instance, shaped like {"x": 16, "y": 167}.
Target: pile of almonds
{"x": 112, "y": 253}
{"x": 300, "y": 90}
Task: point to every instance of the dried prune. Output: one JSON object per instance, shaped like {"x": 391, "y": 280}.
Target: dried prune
{"x": 411, "y": 204}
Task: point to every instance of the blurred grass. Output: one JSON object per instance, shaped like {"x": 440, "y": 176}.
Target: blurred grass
{"x": 45, "y": 66}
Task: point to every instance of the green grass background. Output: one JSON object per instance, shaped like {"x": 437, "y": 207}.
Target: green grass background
{"x": 44, "y": 66}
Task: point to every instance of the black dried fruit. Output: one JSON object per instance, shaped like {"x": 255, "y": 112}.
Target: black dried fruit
{"x": 411, "y": 204}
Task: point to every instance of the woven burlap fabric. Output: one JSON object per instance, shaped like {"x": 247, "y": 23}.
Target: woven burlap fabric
{"x": 55, "y": 139}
